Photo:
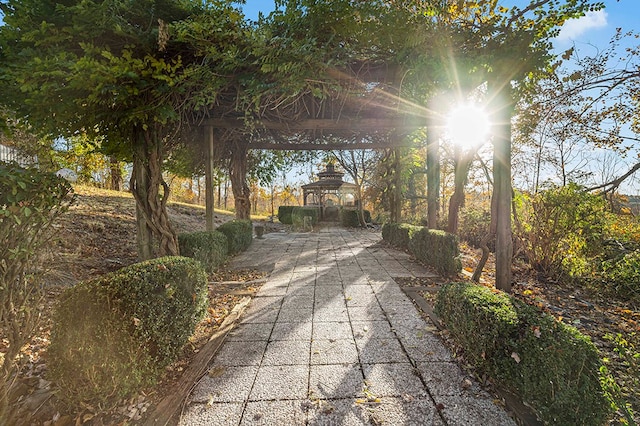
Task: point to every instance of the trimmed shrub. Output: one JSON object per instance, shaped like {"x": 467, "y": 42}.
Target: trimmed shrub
{"x": 398, "y": 234}
{"x": 284, "y": 214}
{"x": 210, "y": 248}
{"x": 551, "y": 365}
{"x": 239, "y": 235}
{"x": 436, "y": 248}
{"x": 114, "y": 335}
{"x": 349, "y": 218}
{"x": 298, "y": 214}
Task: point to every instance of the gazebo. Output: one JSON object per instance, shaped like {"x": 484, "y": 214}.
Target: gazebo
{"x": 329, "y": 193}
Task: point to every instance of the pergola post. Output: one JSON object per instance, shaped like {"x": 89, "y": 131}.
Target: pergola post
{"x": 208, "y": 172}
{"x": 502, "y": 187}
{"x": 433, "y": 170}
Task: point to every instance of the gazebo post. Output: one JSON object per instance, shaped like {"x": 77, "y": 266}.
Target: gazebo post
{"x": 208, "y": 172}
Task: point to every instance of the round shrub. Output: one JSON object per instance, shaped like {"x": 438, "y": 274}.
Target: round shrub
{"x": 239, "y": 235}
{"x": 285, "y": 214}
{"x": 114, "y": 335}
{"x": 210, "y": 248}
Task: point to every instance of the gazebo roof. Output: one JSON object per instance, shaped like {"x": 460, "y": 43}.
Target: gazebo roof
{"x": 329, "y": 184}
{"x": 329, "y": 179}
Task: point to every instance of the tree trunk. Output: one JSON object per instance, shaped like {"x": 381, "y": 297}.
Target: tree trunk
{"x": 208, "y": 171}
{"x": 433, "y": 173}
{"x": 156, "y": 237}
{"x": 238, "y": 175}
{"x": 116, "y": 174}
{"x": 396, "y": 205}
{"x": 463, "y": 163}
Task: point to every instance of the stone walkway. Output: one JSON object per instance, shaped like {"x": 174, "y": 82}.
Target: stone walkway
{"x": 331, "y": 339}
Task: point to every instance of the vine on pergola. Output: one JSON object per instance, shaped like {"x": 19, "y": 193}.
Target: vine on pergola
{"x": 139, "y": 74}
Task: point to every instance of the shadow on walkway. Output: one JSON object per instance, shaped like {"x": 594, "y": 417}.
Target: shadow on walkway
{"x": 330, "y": 339}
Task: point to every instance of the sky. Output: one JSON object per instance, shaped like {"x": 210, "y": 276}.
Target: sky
{"x": 596, "y": 28}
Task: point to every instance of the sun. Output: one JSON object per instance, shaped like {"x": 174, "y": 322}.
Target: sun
{"x": 468, "y": 125}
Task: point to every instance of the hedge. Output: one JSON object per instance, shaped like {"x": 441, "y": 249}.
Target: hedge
{"x": 552, "y": 366}
{"x": 284, "y": 214}
{"x": 208, "y": 247}
{"x": 436, "y": 248}
{"x": 398, "y": 234}
{"x": 349, "y": 217}
{"x": 298, "y": 214}
{"x": 239, "y": 235}
{"x": 114, "y": 335}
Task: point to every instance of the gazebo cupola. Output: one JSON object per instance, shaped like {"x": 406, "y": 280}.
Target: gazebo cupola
{"x": 330, "y": 192}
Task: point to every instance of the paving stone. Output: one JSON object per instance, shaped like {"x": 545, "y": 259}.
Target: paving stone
{"x": 295, "y": 315}
{"x": 220, "y": 414}
{"x": 303, "y": 317}
{"x": 250, "y": 332}
{"x": 365, "y": 330}
{"x": 292, "y": 331}
{"x": 328, "y": 280}
{"x": 240, "y": 353}
{"x": 393, "y": 380}
{"x": 335, "y": 381}
{"x": 261, "y": 303}
{"x": 380, "y": 350}
{"x": 324, "y": 295}
{"x": 332, "y": 330}
{"x": 366, "y": 313}
{"x": 473, "y": 411}
{"x": 409, "y": 313}
{"x": 273, "y": 291}
{"x": 339, "y": 351}
{"x": 298, "y": 301}
{"x": 330, "y": 313}
{"x": 446, "y": 379}
{"x": 269, "y": 413}
{"x": 334, "y": 304}
{"x": 428, "y": 348}
{"x": 406, "y": 411}
{"x": 287, "y": 352}
{"x": 224, "y": 384}
{"x": 281, "y": 382}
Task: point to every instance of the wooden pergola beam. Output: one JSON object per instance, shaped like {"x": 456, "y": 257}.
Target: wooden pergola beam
{"x": 310, "y": 146}
{"x": 345, "y": 124}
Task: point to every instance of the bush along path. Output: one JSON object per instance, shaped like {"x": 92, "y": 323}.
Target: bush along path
{"x": 523, "y": 348}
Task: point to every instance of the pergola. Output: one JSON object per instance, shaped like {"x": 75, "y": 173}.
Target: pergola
{"x": 361, "y": 107}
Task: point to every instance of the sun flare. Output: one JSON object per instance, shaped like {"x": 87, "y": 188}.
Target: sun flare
{"x": 468, "y": 125}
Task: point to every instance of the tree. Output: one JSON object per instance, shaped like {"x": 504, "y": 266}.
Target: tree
{"x": 130, "y": 73}
{"x": 584, "y": 103}
{"x": 358, "y": 165}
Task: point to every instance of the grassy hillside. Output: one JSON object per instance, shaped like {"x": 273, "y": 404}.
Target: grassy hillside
{"x": 98, "y": 234}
